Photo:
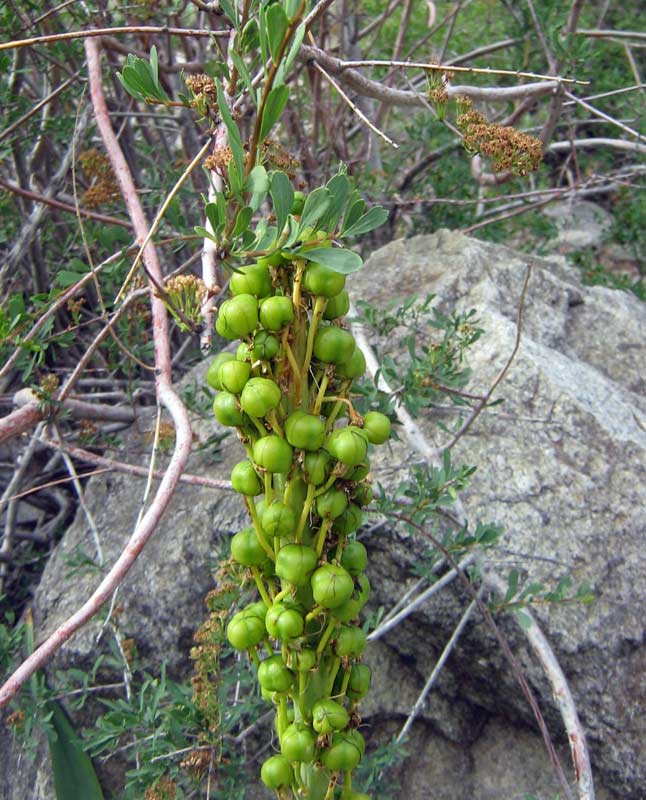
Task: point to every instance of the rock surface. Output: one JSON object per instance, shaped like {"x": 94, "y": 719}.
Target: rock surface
{"x": 561, "y": 468}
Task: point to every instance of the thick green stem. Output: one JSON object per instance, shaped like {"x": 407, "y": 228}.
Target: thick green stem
{"x": 307, "y": 507}
{"x": 261, "y": 586}
{"x": 253, "y": 511}
{"x": 317, "y": 314}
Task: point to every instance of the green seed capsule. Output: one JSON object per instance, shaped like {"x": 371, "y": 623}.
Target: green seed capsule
{"x": 233, "y": 375}
{"x": 331, "y": 586}
{"x": 298, "y": 742}
{"x": 295, "y": 563}
{"x": 278, "y": 520}
{"x": 322, "y": 281}
{"x": 259, "y": 396}
{"x": 212, "y": 372}
{"x": 359, "y": 684}
{"x": 245, "y": 630}
{"x": 348, "y": 445}
{"x": 377, "y": 427}
{"x": 277, "y": 772}
{"x": 345, "y": 752}
{"x": 252, "y": 279}
{"x": 333, "y": 345}
{"x": 302, "y": 660}
{"x": 316, "y": 467}
{"x": 273, "y": 453}
{"x": 276, "y": 313}
{"x": 265, "y": 346}
{"x": 274, "y": 676}
{"x": 354, "y": 367}
{"x": 331, "y": 503}
{"x": 337, "y": 306}
{"x": 284, "y": 621}
{"x": 305, "y": 431}
{"x": 245, "y": 480}
{"x": 237, "y": 317}
{"x": 352, "y": 608}
{"x": 329, "y": 716}
{"x": 354, "y": 558}
{"x": 350, "y": 642}
{"x": 227, "y": 411}
{"x": 246, "y": 549}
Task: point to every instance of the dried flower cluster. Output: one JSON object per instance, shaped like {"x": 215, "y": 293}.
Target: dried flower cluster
{"x": 509, "y": 149}
{"x": 104, "y": 189}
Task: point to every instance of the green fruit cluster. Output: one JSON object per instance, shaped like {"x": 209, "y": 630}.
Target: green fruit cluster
{"x": 287, "y": 392}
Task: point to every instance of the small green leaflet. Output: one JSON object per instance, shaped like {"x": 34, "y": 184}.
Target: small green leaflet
{"x": 257, "y": 184}
{"x": 276, "y": 29}
{"x": 273, "y": 109}
{"x": 316, "y": 205}
{"x": 287, "y": 62}
{"x": 372, "y": 219}
{"x": 235, "y": 140}
{"x": 244, "y": 73}
{"x": 243, "y": 221}
{"x": 336, "y": 258}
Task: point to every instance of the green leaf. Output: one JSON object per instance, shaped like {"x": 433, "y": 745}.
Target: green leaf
{"x": 287, "y": 62}
{"x": 213, "y": 215}
{"x": 277, "y": 25}
{"x": 512, "y": 585}
{"x": 204, "y": 233}
{"x": 231, "y": 10}
{"x": 235, "y": 140}
{"x": 273, "y": 108}
{"x": 257, "y": 184}
{"x": 242, "y": 221}
{"x": 74, "y": 775}
{"x": 244, "y": 73}
{"x": 264, "y": 40}
{"x": 354, "y": 211}
{"x": 282, "y": 197}
{"x": 368, "y": 222}
{"x": 523, "y": 618}
{"x": 339, "y": 189}
{"x": 336, "y": 258}
{"x": 66, "y": 278}
{"x": 316, "y": 205}
{"x": 250, "y": 39}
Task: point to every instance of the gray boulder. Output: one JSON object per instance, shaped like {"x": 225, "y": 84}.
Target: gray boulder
{"x": 560, "y": 467}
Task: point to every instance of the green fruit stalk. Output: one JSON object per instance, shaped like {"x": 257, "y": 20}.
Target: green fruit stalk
{"x": 287, "y": 391}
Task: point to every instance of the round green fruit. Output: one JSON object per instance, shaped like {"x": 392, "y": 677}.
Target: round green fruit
{"x": 349, "y": 521}
{"x": 278, "y": 520}
{"x": 331, "y": 504}
{"x": 316, "y": 467}
{"x": 245, "y": 480}
{"x": 276, "y": 312}
{"x": 302, "y": 660}
{"x": 337, "y": 306}
{"x": 274, "y": 676}
{"x": 284, "y": 622}
{"x": 298, "y": 742}
{"x": 265, "y": 346}
{"x": 233, "y": 375}
{"x": 277, "y": 772}
{"x": 237, "y": 317}
{"x": 350, "y": 642}
{"x": 305, "y": 431}
{"x": 359, "y": 683}
{"x": 273, "y": 453}
{"x": 226, "y": 410}
{"x": 354, "y": 558}
{"x": 245, "y": 631}
{"x": 246, "y": 549}
{"x": 259, "y": 396}
{"x": 348, "y": 445}
{"x": 352, "y": 608}
{"x": 322, "y": 281}
{"x": 377, "y": 427}
{"x": 345, "y": 752}
{"x": 329, "y": 716}
{"x": 331, "y": 586}
{"x": 333, "y": 345}
{"x": 295, "y": 563}
{"x": 252, "y": 279}
{"x": 354, "y": 367}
